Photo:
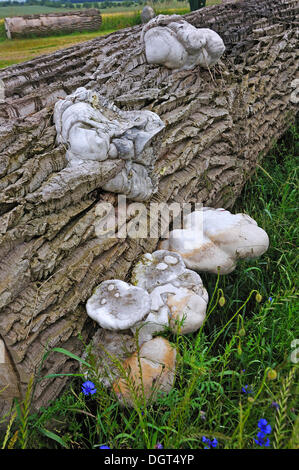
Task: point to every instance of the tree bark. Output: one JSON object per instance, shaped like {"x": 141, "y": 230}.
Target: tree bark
{"x": 52, "y": 23}
{"x": 218, "y": 126}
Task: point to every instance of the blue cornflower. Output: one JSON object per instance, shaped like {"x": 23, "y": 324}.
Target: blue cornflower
{"x": 158, "y": 445}
{"x": 264, "y": 426}
{"x": 261, "y": 440}
{"x": 205, "y": 441}
{"x": 265, "y": 429}
{"x": 275, "y": 405}
{"x": 104, "y": 447}
{"x": 245, "y": 389}
{"x": 210, "y": 444}
{"x": 214, "y": 443}
{"x": 270, "y": 299}
{"x": 88, "y": 388}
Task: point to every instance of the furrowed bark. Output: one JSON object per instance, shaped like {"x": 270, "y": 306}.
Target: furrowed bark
{"x": 219, "y": 124}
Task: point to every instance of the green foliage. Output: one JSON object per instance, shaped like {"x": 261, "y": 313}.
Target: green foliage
{"x": 115, "y": 22}
{"x": 2, "y": 32}
{"x": 23, "y": 415}
{"x": 282, "y": 414}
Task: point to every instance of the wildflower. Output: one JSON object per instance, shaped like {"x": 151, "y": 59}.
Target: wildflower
{"x": 105, "y": 447}
{"x": 88, "y": 388}
{"x": 210, "y": 444}
{"x": 270, "y": 299}
{"x": 246, "y": 390}
{"x": 265, "y": 429}
{"x": 258, "y": 297}
{"x": 264, "y": 426}
{"x": 214, "y": 443}
{"x": 275, "y": 405}
{"x": 158, "y": 445}
{"x": 261, "y": 440}
{"x": 222, "y": 301}
{"x": 206, "y": 441}
{"x": 203, "y": 415}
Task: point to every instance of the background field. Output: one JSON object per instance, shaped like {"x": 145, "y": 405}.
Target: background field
{"x": 21, "y": 50}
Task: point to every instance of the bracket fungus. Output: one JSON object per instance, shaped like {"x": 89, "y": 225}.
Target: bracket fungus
{"x": 176, "y": 44}
{"x": 178, "y": 297}
{"x": 214, "y": 239}
{"x": 116, "y": 305}
{"x": 95, "y": 130}
{"x": 156, "y": 360}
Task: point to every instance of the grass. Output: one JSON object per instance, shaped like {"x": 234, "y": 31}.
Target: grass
{"x": 236, "y": 370}
{"x": 19, "y": 50}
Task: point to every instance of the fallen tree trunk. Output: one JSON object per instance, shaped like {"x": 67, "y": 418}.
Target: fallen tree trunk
{"x": 52, "y": 23}
{"x": 218, "y": 125}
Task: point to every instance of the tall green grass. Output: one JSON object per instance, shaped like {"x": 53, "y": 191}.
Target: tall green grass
{"x": 117, "y": 21}
{"x": 236, "y": 370}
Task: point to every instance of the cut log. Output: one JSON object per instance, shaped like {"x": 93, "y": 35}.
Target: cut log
{"x": 52, "y": 23}
{"x": 218, "y": 126}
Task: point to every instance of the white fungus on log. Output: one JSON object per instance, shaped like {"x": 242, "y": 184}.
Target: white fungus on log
{"x": 176, "y": 44}
{"x": 152, "y": 372}
{"x": 178, "y": 297}
{"x": 95, "y": 130}
{"x": 214, "y": 239}
{"x": 116, "y": 305}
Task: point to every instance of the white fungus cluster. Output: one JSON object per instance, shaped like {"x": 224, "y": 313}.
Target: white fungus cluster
{"x": 214, "y": 239}
{"x": 116, "y": 305}
{"x": 164, "y": 293}
{"x": 178, "y": 298}
{"x": 95, "y": 130}
{"x": 176, "y": 44}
